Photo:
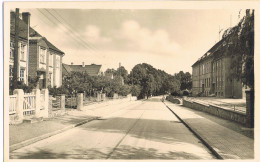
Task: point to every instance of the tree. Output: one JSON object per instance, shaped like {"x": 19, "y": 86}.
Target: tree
{"x": 240, "y": 40}
{"x": 153, "y": 81}
{"x": 121, "y": 71}
{"x": 172, "y": 84}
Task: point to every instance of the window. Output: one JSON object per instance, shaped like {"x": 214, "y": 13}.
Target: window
{"x": 21, "y": 74}
{"x": 50, "y": 77}
{"x": 57, "y": 62}
{"x": 50, "y": 59}
{"x": 11, "y": 73}
{"x": 11, "y": 50}
{"x": 42, "y": 55}
{"x": 22, "y": 51}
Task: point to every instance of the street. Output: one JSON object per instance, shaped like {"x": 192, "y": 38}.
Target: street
{"x": 134, "y": 130}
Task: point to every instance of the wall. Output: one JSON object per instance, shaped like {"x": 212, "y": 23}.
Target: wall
{"x": 217, "y": 111}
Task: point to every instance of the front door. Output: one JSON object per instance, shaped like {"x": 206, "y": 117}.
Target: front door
{"x": 42, "y": 80}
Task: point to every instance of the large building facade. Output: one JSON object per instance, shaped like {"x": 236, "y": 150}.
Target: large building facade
{"x": 211, "y": 74}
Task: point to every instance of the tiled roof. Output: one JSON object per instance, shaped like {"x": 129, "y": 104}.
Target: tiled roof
{"x": 51, "y": 46}
{"x": 23, "y": 27}
{"x": 92, "y": 70}
{"x": 23, "y": 32}
{"x": 211, "y": 51}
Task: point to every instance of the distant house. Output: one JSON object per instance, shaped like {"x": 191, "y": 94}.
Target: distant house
{"x": 38, "y": 57}
{"x": 92, "y": 70}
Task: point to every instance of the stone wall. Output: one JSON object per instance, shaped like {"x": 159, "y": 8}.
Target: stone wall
{"x": 217, "y": 111}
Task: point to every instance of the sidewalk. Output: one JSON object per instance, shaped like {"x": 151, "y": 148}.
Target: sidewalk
{"x": 224, "y": 142}
{"x": 26, "y": 133}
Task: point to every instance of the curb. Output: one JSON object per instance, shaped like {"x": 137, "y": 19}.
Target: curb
{"x": 39, "y": 138}
{"x": 215, "y": 153}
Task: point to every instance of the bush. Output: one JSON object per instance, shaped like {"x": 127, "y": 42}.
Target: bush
{"x": 185, "y": 93}
{"x": 175, "y": 93}
{"x": 56, "y": 91}
{"x": 32, "y": 83}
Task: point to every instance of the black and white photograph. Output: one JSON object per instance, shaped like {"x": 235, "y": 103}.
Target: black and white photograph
{"x": 130, "y": 81}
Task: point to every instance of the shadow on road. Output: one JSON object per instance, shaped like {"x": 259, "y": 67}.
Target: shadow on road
{"x": 125, "y": 152}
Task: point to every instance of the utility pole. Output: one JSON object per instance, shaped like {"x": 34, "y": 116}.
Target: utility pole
{"x": 16, "y": 54}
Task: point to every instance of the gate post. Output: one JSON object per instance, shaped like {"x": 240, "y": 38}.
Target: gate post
{"x": 62, "y": 102}
{"x": 46, "y": 103}
{"x": 250, "y": 108}
{"x": 19, "y": 104}
{"x": 37, "y": 93}
{"x": 80, "y": 101}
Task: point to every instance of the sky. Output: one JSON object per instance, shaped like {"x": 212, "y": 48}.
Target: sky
{"x": 170, "y": 40}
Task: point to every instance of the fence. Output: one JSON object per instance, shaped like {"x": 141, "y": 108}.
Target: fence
{"x": 12, "y": 104}
{"x": 56, "y": 102}
{"x": 70, "y": 101}
{"x": 29, "y": 104}
{"x": 32, "y": 105}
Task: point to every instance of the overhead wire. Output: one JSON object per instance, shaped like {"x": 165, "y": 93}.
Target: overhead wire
{"x": 70, "y": 30}
{"x": 71, "y": 35}
{"x": 74, "y": 29}
{"x": 54, "y": 23}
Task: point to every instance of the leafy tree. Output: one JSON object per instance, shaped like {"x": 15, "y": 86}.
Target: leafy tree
{"x": 121, "y": 71}
{"x": 185, "y": 80}
{"x": 135, "y": 90}
{"x": 172, "y": 84}
{"x": 240, "y": 40}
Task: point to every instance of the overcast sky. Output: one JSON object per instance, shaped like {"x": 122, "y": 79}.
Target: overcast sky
{"x": 171, "y": 40}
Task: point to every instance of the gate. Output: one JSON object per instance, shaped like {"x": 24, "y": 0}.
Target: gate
{"x": 70, "y": 101}
{"x": 29, "y": 104}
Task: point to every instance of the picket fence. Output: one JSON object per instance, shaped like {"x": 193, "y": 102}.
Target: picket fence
{"x": 26, "y": 104}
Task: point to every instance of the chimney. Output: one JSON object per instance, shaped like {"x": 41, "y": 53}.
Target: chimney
{"x": 26, "y": 17}
{"x": 12, "y": 14}
{"x": 71, "y": 63}
{"x": 83, "y": 64}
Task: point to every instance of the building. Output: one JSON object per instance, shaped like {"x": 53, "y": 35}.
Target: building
{"x": 211, "y": 74}
{"x": 92, "y": 70}
{"x": 22, "y": 67}
{"x": 38, "y": 57}
{"x": 45, "y": 61}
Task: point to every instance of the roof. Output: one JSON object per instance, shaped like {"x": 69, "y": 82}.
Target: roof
{"x": 51, "y": 46}
{"x": 22, "y": 27}
{"x": 212, "y": 50}
{"x": 23, "y": 32}
{"x": 92, "y": 70}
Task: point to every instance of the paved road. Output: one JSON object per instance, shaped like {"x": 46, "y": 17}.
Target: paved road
{"x": 136, "y": 130}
